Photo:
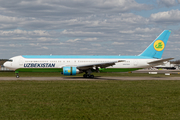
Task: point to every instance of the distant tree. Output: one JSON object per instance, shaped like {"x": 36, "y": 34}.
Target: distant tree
{"x": 2, "y": 61}
{"x": 176, "y": 62}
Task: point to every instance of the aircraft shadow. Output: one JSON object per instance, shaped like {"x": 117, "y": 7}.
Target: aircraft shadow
{"x": 95, "y": 78}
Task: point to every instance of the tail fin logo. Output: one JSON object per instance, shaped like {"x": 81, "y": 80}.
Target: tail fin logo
{"x": 159, "y": 45}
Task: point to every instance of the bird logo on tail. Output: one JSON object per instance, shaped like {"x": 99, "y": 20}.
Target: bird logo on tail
{"x": 159, "y": 45}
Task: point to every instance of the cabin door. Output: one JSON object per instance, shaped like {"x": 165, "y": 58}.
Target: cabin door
{"x": 135, "y": 63}
{"x": 21, "y": 62}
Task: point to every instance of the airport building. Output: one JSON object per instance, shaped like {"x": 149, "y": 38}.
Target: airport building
{"x": 167, "y": 65}
{"x": 2, "y": 68}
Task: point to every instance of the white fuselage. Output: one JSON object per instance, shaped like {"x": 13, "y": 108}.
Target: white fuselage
{"x": 21, "y": 62}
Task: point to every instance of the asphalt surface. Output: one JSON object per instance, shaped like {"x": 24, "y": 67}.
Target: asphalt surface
{"x": 96, "y": 78}
{"x": 158, "y": 71}
{"x": 105, "y": 78}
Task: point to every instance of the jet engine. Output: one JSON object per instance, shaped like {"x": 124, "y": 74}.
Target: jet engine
{"x": 68, "y": 70}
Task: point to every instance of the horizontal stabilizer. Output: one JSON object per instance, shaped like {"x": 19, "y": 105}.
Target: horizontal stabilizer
{"x": 158, "y": 62}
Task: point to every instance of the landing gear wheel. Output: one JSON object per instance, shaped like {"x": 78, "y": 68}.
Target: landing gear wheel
{"x": 85, "y": 76}
{"x": 88, "y": 76}
{"x": 17, "y": 75}
{"x": 91, "y": 76}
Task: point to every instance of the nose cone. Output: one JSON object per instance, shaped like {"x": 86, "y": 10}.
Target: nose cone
{"x": 6, "y": 64}
{"x": 9, "y": 64}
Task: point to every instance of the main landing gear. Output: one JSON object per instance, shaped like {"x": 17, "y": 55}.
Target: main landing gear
{"x": 88, "y": 76}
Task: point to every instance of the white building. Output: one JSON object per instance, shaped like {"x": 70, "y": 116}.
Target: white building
{"x": 166, "y": 65}
{"x": 2, "y": 68}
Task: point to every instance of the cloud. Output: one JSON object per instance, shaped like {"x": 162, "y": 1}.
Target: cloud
{"x": 101, "y": 6}
{"x": 50, "y": 9}
{"x": 46, "y": 39}
{"x": 81, "y": 33}
{"x": 46, "y": 27}
{"x": 25, "y": 33}
{"x": 127, "y": 32}
{"x": 77, "y": 39}
{"x": 97, "y": 45}
{"x": 44, "y": 47}
{"x": 168, "y": 17}
{"x": 117, "y": 43}
{"x": 124, "y": 5}
{"x": 141, "y": 31}
{"x": 90, "y": 39}
{"x": 167, "y": 3}
{"x": 9, "y": 19}
{"x": 84, "y": 49}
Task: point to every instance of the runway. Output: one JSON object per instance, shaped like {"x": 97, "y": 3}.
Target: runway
{"x": 89, "y": 79}
{"x": 106, "y": 78}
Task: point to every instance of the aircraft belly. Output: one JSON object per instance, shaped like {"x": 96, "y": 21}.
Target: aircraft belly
{"x": 39, "y": 70}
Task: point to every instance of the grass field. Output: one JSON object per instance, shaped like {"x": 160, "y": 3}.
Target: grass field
{"x": 90, "y": 100}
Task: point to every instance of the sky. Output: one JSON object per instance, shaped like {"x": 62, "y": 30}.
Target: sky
{"x": 87, "y": 27}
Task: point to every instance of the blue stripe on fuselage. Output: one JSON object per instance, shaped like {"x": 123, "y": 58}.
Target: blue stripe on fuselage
{"x": 83, "y": 57}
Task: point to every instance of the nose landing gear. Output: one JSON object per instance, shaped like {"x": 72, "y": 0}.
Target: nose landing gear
{"x": 17, "y": 74}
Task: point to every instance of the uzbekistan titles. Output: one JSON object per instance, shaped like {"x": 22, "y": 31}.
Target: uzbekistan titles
{"x": 39, "y": 65}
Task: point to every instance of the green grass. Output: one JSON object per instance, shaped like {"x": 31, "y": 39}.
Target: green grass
{"x": 90, "y": 100}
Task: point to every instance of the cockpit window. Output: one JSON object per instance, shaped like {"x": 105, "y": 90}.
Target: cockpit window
{"x": 10, "y": 60}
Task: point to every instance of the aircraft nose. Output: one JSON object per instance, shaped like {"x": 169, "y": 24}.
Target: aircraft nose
{"x": 6, "y": 64}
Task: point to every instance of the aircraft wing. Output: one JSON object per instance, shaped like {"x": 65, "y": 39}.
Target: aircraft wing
{"x": 158, "y": 62}
{"x": 101, "y": 65}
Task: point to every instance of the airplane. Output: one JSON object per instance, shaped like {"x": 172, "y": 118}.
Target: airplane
{"x": 73, "y": 64}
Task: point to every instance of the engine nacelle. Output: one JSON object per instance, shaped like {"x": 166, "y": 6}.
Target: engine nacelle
{"x": 68, "y": 70}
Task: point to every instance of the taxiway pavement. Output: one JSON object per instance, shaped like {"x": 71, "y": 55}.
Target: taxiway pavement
{"x": 90, "y": 79}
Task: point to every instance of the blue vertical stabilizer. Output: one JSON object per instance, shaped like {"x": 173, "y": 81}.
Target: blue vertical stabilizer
{"x": 156, "y": 48}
